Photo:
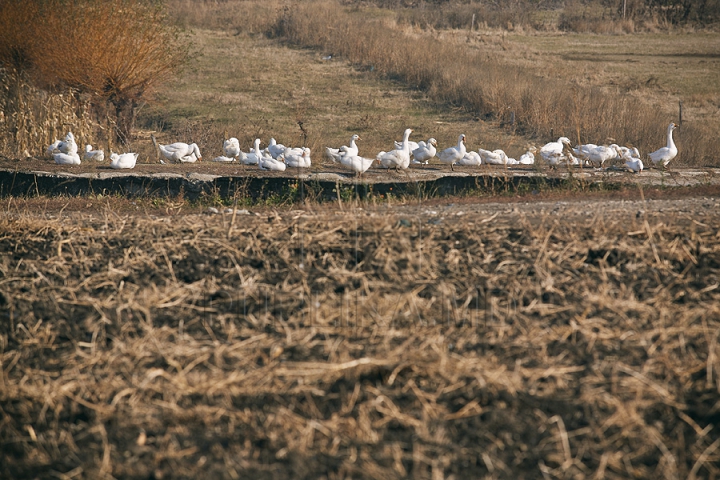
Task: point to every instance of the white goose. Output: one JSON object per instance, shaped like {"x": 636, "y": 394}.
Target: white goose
{"x": 470, "y": 159}
{"x": 53, "y": 148}
{"x": 398, "y": 158}
{"x": 424, "y": 152}
{"x": 68, "y": 146}
{"x": 231, "y": 147}
{"x": 663, "y": 156}
{"x": 599, "y": 154}
{"x": 254, "y": 156}
{"x": 66, "y": 158}
{"x": 292, "y": 159}
{"x": 583, "y": 150}
{"x": 267, "y": 162}
{"x": 495, "y": 157}
{"x": 357, "y": 164}
{"x": 179, "y": 151}
{"x": 451, "y": 155}
{"x": 554, "y": 153}
{"x": 528, "y": 158}
{"x": 335, "y": 153}
{"x": 631, "y": 156}
{"x": 90, "y": 154}
{"x": 125, "y": 160}
{"x": 275, "y": 148}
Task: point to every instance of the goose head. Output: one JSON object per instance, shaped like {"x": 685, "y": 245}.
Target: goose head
{"x": 433, "y": 142}
{"x": 196, "y": 150}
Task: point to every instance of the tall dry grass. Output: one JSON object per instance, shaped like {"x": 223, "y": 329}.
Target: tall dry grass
{"x": 33, "y": 118}
{"x": 598, "y": 16}
{"x": 545, "y": 104}
{"x": 242, "y": 16}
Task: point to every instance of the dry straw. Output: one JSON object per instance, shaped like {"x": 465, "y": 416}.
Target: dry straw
{"x": 528, "y": 343}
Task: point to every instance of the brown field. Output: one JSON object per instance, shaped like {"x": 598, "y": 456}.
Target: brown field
{"x": 559, "y": 334}
{"x": 561, "y": 338}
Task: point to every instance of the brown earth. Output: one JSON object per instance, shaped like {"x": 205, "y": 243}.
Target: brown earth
{"x": 554, "y": 337}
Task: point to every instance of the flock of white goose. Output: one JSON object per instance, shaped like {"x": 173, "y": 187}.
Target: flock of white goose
{"x": 66, "y": 153}
{"x": 277, "y": 157}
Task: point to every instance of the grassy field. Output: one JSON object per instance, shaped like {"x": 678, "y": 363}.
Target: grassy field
{"x": 244, "y": 81}
{"x": 251, "y": 87}
{"x": 665, "y": 68}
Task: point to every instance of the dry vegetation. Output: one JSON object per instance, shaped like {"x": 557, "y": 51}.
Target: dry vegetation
{"x": 547, "y": 340}
{"x": 105, "y": 56}
{"x": 474, "y": 73}
{"x": 490, "y": 87}
{"x": 488, "y": 75}
{"x": 424, "y": 340}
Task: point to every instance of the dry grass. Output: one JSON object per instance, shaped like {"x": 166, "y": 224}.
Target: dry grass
{"x": 32, "y": 118}
{"x": 591, "y": 94}
{"x": 249, "y": 86}
{"x": 553, "y": 339}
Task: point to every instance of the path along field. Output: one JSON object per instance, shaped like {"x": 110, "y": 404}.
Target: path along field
{"x": 564, "y": 339}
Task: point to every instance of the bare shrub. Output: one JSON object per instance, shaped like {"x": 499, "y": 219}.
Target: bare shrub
{"x": 109, "y": 54}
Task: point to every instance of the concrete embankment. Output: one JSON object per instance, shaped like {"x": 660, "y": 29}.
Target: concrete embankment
{"x": 327, "y": 185}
